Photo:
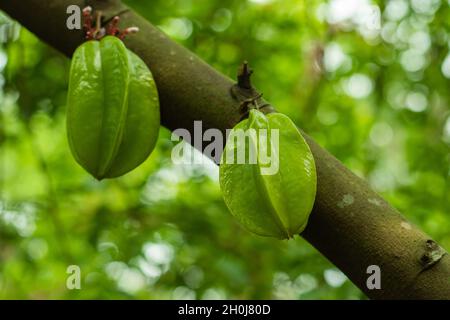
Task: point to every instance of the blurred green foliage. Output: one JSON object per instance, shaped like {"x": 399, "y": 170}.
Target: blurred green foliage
{"x": 368, "y": 80}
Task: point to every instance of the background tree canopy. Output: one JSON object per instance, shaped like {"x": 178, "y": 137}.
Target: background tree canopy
{"x": 367, "y": 79}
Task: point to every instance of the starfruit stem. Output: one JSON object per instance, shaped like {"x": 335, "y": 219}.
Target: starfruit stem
{"x": 112, "y": 29}
{"x": 97, "y": 32}
{"x": 128, "y": 31}
{"x": 246, "y": 104}
{"x": 98, "y": 26}
{"x": 87, "y": 22}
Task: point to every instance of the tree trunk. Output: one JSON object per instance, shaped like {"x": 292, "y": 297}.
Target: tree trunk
{"x": 350, "y": 224}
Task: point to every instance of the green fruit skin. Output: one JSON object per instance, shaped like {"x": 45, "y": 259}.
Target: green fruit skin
{"x": 113, "y": 108}
{"x": 271, "y": 205}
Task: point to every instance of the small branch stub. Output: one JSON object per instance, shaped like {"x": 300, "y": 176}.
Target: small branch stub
{"x": 244, "y": 74}
{"x": 246, "y": 94}
{"x": 433, "y": 253}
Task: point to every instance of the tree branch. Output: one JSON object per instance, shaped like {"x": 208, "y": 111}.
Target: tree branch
{"x": 350, "y": 224}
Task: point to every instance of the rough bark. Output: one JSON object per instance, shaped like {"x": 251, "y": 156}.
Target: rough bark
{"x": 351, "y": 225}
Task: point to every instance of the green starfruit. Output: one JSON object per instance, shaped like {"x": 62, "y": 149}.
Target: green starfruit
{"x": 277, "y": 204}
{"x": 113, "y": 108}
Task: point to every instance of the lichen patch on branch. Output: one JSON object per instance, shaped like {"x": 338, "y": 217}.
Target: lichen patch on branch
{"x": 405, "y": 225}
{"x": 346, "y": 201}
